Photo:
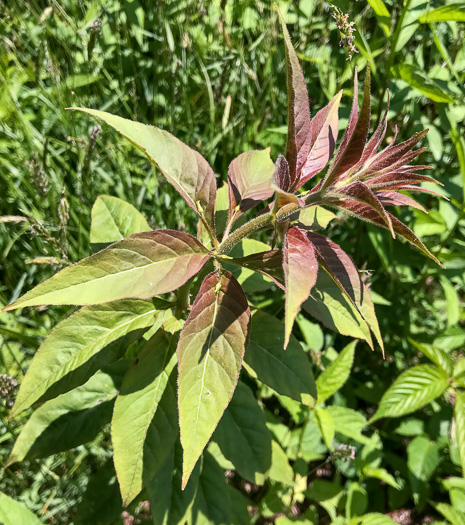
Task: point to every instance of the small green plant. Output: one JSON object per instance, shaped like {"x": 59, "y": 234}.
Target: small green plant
{"x": 169, "y": 383}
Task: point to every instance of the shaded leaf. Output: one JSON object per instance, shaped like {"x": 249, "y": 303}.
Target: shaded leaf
{"x": 81, "y": 344}
{"x": 210, "y": 352}
{"x": 336, "y": 374}
{"x": 140, "y": 266}
{"x": 288, "y": 372}
{"x": 413, "y": 389}
{"x": 300, "y": 272}
{"x": 183, "y": 167}
{"x": 243, "y": 436}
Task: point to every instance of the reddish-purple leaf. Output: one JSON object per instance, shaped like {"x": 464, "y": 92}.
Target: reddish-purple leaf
{"x": 357, "y": 191}
{"x": 419, "y": 189}
{"x": 364, "y": 212}
{"x": 210, "y": 352}
{"x": 392, "y": 198}
{"x": 281, "y": 177}
{"x": 300, "y": 271}
{"x": 377, "y": 138}
{"x": 396, "y": 179}
{"x": 323, "y": 131}
{"x": 298, "y": 135}
{"x": 250, "y": 177}
{"x": 268, "y": 263}
{"x": 352, "y": 148}
{"x": 141, "y": 266}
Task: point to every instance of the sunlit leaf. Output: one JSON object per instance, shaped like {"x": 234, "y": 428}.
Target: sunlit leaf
{"x": 13, "y": 512}
{"x": 210, "y": 352}
{"x": 454, "y": 12}
{"x": 459, "y": 418}
{"x": 336, "y": 374}
{"x": 326, "y": 425}
{"x": 140, "y": 266}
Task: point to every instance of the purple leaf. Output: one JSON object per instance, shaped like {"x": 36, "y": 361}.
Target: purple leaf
{"x": 392, "y": 198}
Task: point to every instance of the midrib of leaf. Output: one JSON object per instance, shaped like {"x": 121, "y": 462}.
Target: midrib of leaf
{"x": 67, "y": 367}
{"x": 113, "y": 220}
{"x": 280, "y": 362}
{"x": 215, "y": 314}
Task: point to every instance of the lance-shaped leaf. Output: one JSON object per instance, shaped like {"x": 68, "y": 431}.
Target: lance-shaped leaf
{"x": 210, "y": 352}
{"x": 141, "y": 266}
{"x": 249, "y": 181}
{"x": 459, "y": 418}
{"x": 13, "y": 512}
{"x": 364, "y": 212}
{"x": 298, "y": 108}
{"x": 392, "y": 198}
{"x": 114, "y": 219}
{"x": 71, "y": 419}
{"x": 396, "y": 179}
{"x": 357, "y": 191}
{"x": 81, "y": 344}
{"x": 243, "y": 436}
{"x": 354, "y": 140}
{"x": 183, "y": 167}
{"x": 269, "y": 263}
{"x": 300, "y": 271}
{"x": 336, "y": 374}
{"x": 281, "y": 177}
{"x": 147, "y": 405}
{"x": 323, "y": 131}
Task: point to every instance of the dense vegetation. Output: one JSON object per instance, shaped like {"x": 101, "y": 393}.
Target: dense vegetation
{"x": 214, "y": 75}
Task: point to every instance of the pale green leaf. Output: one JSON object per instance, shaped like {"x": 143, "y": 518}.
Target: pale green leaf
{"x": 183, "y": 167}
{"x": 315, "y": 218}
{"x": 210, "y": 353}
{"x": 289, "y": 371}
{"x": 446, "y": 13}
{"x": 459, "y": 418}
{"x": 71, "y": 419}
{"x": 373, "y": 518}
{"x": 349, "y": 423}
{"x": 326, "y": 425}
{"x": 140, "y": 266}
{"x": 81, "y": 344}
{"x": 422, "y": 458}
{"x": 412, "y": 390}
{"x": 280, "y": 471}
{"x": 452, "y": 301}
{"x": 336, "y": 374}
{"x": 437, "y": 356}
{"x": 381, "y": 474}
{"x": 15, "y": 513}
{"x": 114, "y": 219}
{"x": 146, "y": 405}
{"x": 452, "y": 515}
{"x": 382, "y": 14}
{"x": 243, "y": 436}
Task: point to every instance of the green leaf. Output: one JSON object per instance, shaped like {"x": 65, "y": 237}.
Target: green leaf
{"x": 114, "y": 219}
{"x": 183, "y": 167}
{"x": 326, "y": 425}
{"x": 212, "y": 505}
{"x": 446, "y": 13}
{"x": 315, "y": 218}
{"x": 452, "y": 301}
{"x": 289, "y": 371}
{"x": 239, "y": 507}
{"x": 210, "y": 353}
{"x": 417, "y": 79}
{"x": 141, "y": 266}
{"x": 373, "y": 518}
{"x": 81, "y": 344}
{"x": 357, "y": 500}
{"x": 146, "y": 405}
{"x": 349, "y": 423}
{"x": 381, "y": 474}
{"x": 330, "y": 305}
{"x": 249, "y": 181}
{"x": 459, "y": 418}
{"x": 300, "y": 268}
{"x": 452, "y": 515}
{"x": 336, "y": 374}
{"x": 71, "y": 419}
{"x": 280, "y": 470}
{"x": 169, "y": 504}
{"x": 412, "y": 390}
{"x": 382, "y": 14}
{"x": 14, "y": 513}
{"x": 437, "y": 356}
{"x": 243, "y": 436}
{"x": 423, "y": 458}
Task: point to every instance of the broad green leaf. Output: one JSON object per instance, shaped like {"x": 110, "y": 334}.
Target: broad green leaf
{"x": 412, "y": 390}
{"x": 373, "y": 518}
{"x": 140, "y": 266}
{"x": 243, "y": 436}
{"x": 249, "y": 181}
{"x": 14, "y": 513}
{"x": 315, "y": 218}
{"x": 280, "y": 471}
{"x": 298, "y": 109}
{"x": 423, "y": 458}
{"x": 169, "y": 504}
{"x": 114, "y": 219}
{"x": 312, "y": 333}
{"x": 81, "y": 344}
{"x": 330, "y": 305}
{"x": 446, "y": 13}
{"x": 417, "y": 79}
{"x": 146, "y": 405}
{"x": 459, "y": 418}
{"x": 183, "y": 167}
{"x": 336, "y": 374}
{"x": 239, "y": 507}
{"x": 452, "y": 515}
{"x": 357, "y": 500}
{"x": 452, "y": 301}
{"x": 300, "y": 268}
{"x": 381, "y": 474}
{"x": 326, "y": 424}
{"x": 349, "y": 423}
{"x": 212, "y": 504}
{"x": 71, "y": 419}
{"x": 289, "y": 371}
{"x": 210, "y": 352}
{"x": 437, "y": 356}
{"x": 382, "y": 14}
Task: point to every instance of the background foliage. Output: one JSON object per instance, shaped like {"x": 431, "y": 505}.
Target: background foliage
{"x": 213, "y": 74}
